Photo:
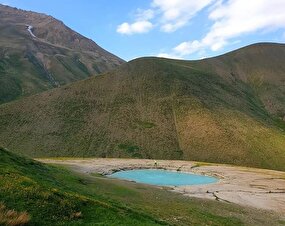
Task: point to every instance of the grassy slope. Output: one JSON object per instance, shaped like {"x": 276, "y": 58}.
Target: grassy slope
{"x": 49, "y": 196}
{"x": 23, "y": 73}
{"x": 261, "y": 67}
{"x": 55, "y": 196}
{"x": 157, "y": 108}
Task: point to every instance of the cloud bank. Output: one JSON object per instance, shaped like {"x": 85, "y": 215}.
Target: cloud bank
{"x": 169, "y": 15}
{"x": 229, "y": 20}
{"x": 232, "y": 19}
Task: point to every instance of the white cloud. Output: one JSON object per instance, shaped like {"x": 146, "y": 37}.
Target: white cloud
{"x": 141, "y": 25}
{"x": 169, "y": 15}
{"x": 234, "y": 18}
{"x": 144, "y": 14}
{"x": 136, "y": 27}
{"x": 166, "y": 55}
{"x": 177, "y": 13}
{"x": 238, "y": 17}
{"x": 187, "y": 48}
{"x": 229, "y": 21}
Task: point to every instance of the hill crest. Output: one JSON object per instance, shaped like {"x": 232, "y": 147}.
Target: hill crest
{"x": 159, "y": 108}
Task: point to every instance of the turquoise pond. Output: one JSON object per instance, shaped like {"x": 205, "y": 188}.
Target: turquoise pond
{"x": 163, "y": 177}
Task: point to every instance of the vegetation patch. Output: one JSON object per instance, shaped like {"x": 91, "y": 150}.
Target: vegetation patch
{"x": 96, "y": 68}
{"x": 145, "y": 124}
{"x": 12, "y": 217}
{"x": 129, "y": 147}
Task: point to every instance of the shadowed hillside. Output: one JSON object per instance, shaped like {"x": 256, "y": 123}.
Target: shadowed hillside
{"x": 38, "y": 52}
{"x": 227, "y": 109}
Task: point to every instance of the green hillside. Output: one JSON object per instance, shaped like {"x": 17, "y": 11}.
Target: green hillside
{"x": 32, "y": 193}
{"x": 41, "y": 195}
{"x": 227, "y": 109}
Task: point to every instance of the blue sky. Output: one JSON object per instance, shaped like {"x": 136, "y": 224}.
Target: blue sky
{"x": 187, "y": 29}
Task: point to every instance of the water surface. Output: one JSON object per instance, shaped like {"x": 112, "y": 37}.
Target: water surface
{"x": 163, "y": 177}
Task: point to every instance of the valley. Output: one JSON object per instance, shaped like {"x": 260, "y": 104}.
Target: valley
{"x": 204, "y": 138}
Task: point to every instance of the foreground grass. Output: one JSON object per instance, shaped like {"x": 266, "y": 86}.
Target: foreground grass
{"x": 174, "y": 208}
{"x": 11, "y": 217}
{"x": 52, "y": 195}
{"x": 47, "y": 196}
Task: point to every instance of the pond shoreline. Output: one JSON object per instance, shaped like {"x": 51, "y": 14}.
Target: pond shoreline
{"x": 258, "y": 188}
{"x": 162, "y": 177}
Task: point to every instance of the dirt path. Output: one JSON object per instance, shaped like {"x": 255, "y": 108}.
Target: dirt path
{"x": 263, "y": 189}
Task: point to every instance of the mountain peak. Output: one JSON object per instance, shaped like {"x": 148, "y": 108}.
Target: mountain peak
{"x": 39, "y": 52}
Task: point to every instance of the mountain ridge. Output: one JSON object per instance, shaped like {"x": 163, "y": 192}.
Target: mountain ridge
{"x": 162, "y": 109}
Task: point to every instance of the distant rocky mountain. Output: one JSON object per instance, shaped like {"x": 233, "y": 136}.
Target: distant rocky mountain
{"x": 227, "y": 109}
{"x": 38, "y": 52}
